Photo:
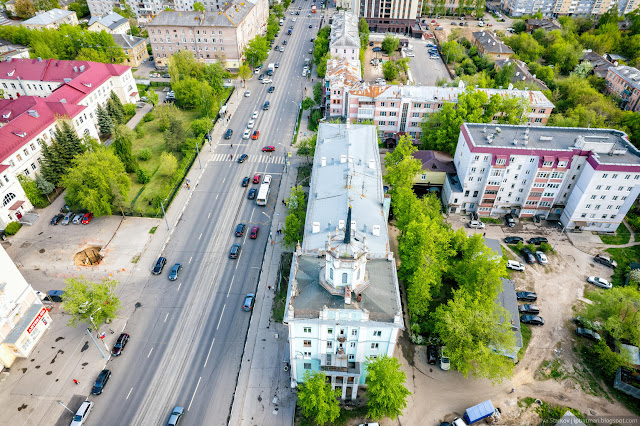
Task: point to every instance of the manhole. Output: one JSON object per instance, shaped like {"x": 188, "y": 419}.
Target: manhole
{"x": 88, "y": 257}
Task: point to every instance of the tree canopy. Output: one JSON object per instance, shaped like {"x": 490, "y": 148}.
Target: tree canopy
{"x": 90, "y": 302}
{"x": 386, "y": 393}
{"x": 256, "y": 51}
{"x": 317, "y": 400}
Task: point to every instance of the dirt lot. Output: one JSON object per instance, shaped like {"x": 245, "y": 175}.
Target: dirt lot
{"x": 371, "y": 72}
{"x": 442, "y": 395}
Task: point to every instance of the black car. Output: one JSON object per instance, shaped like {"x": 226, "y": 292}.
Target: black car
{"x": 271, "y": 89}
{"x": 252, "y": 193}
{"x": 228, "y": 134}
{"x": 101, "y": 381}
{"x": 266, "y": 105}
{"x": 159, "y": 266}
{"x": 166, "y": 75}
{"x": 537, "y": 240}
{"x": 55, "y": 295}
{"x": 120, "y": 344}
{"x": 261, "y": 77}
{"x": 245, "y": 181}
{"x": 514, "y": 240}
{"x": 589, "y": 334}
{"x": 284, "y": 42}
{"x": 528, "y": 256}
{"x": 531, "y": 320}
{"x": 510, "y": 220}
{"x": 243, "y": 158}
{"x": 240, "y": 229}
{"x": 529, "y": 309}
{"x": 606, "y": 261}
{"x": 310, "y": 26}
{"x": 526, "y": 296}
{"x": 235, "y": 251}
{"x": 56, "y": 219}
{"x": 432, "y": 354}
{"x": 175, "y": 271}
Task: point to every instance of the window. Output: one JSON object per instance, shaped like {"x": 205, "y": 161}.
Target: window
{"x": 307, "y": 366}
{"x": 307, "y": 329}
{"x": 354, "y": 332}
{"x": 597, "y": 206}
{"x": 330, "y": 344}
{"x": 33, "y": 166}
{"x": 599, "y": 187}
{"x": 344, "y": 278}
{"x": 604, "y": 176}
{"x": 352, "y": 344}
{"x": 588, "y": 206}
{"x": 330, "y": 331}
{"x": 593, "y": 197}
{"x": 602, "y": 197}
{"x": 374, "y": 346}
{"x": 501, "y": 161}
{"x": 10, "y": 196}
{"x": 557, "y": 175}
{"x": 466, "y": 193}
{"x": 377, "y": 333}
{"x": 306, "y": 343}
{"x": 547, "y": 163}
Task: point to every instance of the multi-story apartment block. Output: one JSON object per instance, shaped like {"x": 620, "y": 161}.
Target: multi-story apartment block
{"x": 343, "y": 302}
{"x": 146, "y": 10}
{"x": 395, "y": 16}
{"x": 345, "y": 39}
{"x": 51, "y": 19}
{"x": 39, "y": 96}
{"x": 490, "y": 45}
{"x": 555, "y": 8}
{"x": 399, "y": 110}
{"x": 211, "y": 36}
{"x": 586, "y": 178}
{"x": 23, "y": 317}
{"x": 135, "y": 49}
{"x": 342, "y": 75}
{"x": 624, "y": 82}
{"x": 111, "y": 23}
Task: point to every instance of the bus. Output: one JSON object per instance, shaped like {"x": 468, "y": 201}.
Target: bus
{"x": 263, "y": 194}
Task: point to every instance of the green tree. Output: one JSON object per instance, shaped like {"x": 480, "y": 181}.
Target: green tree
{"x": 401, "y": 167}
{"x": 57, "y": 157}
{"x": 244, "y": 72}
{"x": 307, "y": 147}
{"x": 116, "y": 113}
{"x": 32, "y": 192}
{"x": 95, "y": 181}
{"x": 390, "y": 43}
{"x": 80, "y": 7}
{"x": 527, "y": 48}
{"x": 519, "y": 26}
{"x": 153, "y": 97}
{"x": 441, "y": 130}
{"x": 46, "y": 4}
{"x": 453, "y": 52}
{"x": 200, "y": 127}
{"x": 386, "y": 392}
{"x": 321, "y": 69}
{"x": 317, "y": 400}
{"x": 122, "y": 146}
{"x": 25, "y": 9}
{"x": 168, "y": 164}
{"x": 197, "y": 6}
{"x": 307, "y": 103}
{"x": 390, "y": 70}
{"x": 617, "y": 312}
{"x": 175, "y": 135}
{"x": 317, "y": 93}
{"x": 105, "y": 123}
{"x": 296, "y": 214}
{"x": 583, "y": 69}
{"x": 257, "y": 50}
{"x": 90, "y": 302}
{"x": 363, "y": 31}
{"x": 44, "y": 185}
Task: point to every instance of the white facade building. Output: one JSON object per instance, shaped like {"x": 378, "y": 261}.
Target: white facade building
{"x": 345, "y": 39}
{"x": 23, "y": 317}
{"x": 343, "y": 302}
{"x": 586, "y": 178}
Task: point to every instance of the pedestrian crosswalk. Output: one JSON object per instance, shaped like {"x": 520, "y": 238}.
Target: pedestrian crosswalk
{"x": 269, "y": 159}
{"x": 4, "y": 20}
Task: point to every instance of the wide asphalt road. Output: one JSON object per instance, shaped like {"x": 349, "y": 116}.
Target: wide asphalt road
{"x": 188, "y": 336}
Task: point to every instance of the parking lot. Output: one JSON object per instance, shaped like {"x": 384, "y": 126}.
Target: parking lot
{"x": 560, "y": 285}
{"x": 424, "y": 70}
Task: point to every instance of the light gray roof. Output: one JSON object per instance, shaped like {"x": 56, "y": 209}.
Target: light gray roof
{"x": 351, "y": 175}
{"x": 545, "y": 24}
{"x": 24, "y": 322}
{"x": 49, "y": 17}
{"x": 232, "y": 16}
{"x": 344, "y": 31}
{"x": 127, "y": 41}
{"x": 491, "y": 43}
{"x": 508, "y": 299}
{"x": 630, "y": 75}
{"x": 111, "y": 21}
{"x": 522, "y": 73}
{"x": 608, "y": 146}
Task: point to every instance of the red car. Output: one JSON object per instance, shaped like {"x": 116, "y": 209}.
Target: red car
{"x": 268, "y": 148}
{"x": 255, "y": 135}
{"x": 256, "y": 179}
{"x": 254, "y": 232}
{"x": 87, "y": 218}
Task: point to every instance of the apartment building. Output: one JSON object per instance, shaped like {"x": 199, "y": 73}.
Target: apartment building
{"x": 135, "y": 49}
{"x": 40, "y": 95}
{"x": 586, "y": 178}
{"x": 345, "y": 39}
{"x": 555, "y": 8}
{"x": 342, "y": 75}
{"x": 490, "y": 45}
{"x": 624, "y": 82}
{"x": 111, "y": 23}
{"x": 400, "y": 110}
{"x": 211, "y": 36}
{"x": 146, "y": 10}
{"x": 23, "y": 317}
{"x": 343, "y": 302}
{"x": 51, "y": 19}
{"x": 394, "y": 16}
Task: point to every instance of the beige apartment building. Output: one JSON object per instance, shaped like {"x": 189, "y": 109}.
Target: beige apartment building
{"x": 51, "y": 19}
{"x": 555, "y": 8}
{"x": 211, "y": 36}
{"x": 135, "y": 48}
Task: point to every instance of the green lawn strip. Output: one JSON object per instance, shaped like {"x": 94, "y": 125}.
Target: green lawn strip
{"x": 621, "y": 236}
{"x": 624, "y": 256}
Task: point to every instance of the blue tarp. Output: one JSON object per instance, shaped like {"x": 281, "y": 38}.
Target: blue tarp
{"x": 478, "y": 412}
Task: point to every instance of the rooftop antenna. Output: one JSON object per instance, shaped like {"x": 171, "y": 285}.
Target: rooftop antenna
{"x": 347, "y": 230}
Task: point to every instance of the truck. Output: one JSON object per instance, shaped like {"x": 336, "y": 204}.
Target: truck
{"x": 270, "y": 69}
{"x": 475, "y": 414}
{"x": 313, "y": 9}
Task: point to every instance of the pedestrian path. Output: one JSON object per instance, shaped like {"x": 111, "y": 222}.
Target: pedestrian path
{"x": 271, "y": 159}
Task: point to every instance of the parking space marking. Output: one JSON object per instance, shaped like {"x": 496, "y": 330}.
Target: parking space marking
{"x": 150, "y": 353}
{"x": 222, "y": 313}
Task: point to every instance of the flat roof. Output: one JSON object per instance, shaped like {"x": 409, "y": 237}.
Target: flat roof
{"x": 231, "y": 16}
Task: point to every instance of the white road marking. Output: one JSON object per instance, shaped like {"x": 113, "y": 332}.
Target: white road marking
{"x": 222, "y": 313}
{"x": 211, "y": 347}
{"x": 179, "y": 285}
{"x": 200, "y": 235}
{"x": 209, "y": 216}
{"x": 190, "y": 259}
{"x": 194, "y": 394}
{"x": 230, "y": 285}
{"x": 150, "y": 353}
{"x": 124, "y": 326}
{"x": 165, "y": 318}
{"x": 217, "y": 196}
{"x": 129, "y": 393}
{"x": 224, "y": 180}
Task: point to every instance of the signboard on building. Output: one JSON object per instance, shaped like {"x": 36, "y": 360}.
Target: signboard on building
{"x": 37, "y": 319}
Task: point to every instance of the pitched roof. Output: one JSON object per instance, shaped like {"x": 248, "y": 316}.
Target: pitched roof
{"x": 522, "y": 72}
{"x": 435, "y": 161}
{"x": 600, "y": 64}
{"x": 54, "y": 70}
{"x": 343, "y": 73}
{"x": 231, "y": 16}
{"x": 630, "y": 75}
{"x": 491, "y": 43}
{"x": 111, "y": 21}
{"x": 344, "y": 31}
{"x": 545, "y": 24}
{"x": 48, "y": 17}
{"x": 127, "y": 41}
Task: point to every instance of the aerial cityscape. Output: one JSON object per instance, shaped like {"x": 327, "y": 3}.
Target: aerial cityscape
{"x": 319, "y": 212}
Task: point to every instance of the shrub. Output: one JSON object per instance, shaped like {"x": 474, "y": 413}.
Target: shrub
{"x": 546, "y": 248}
{"x": 144, "y": 154}
{"x": 520, "y": 245}
{"x": 148, "y": 117}
{"x": 12, "y": 228}
{"x": 143, "y": 176}
{"x": 140, "y": 132}
{"x": 531, "y": 247}
{"x": 168, "y": 164}
{"x": 129, "y": 109}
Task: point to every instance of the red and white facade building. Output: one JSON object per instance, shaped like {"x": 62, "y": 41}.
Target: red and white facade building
{"x": 38, "y": 96}
{"x": 624, "y": 82}
{"x": 586, "y": 178}
{"x": 23, "y": 317}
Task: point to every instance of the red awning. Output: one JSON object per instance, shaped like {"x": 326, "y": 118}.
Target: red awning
{"x": 133, "y": 94}
{"x": 16, "y": 205}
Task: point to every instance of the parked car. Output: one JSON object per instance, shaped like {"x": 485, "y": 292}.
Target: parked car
{"x": 589, "y": 334}
{"x": 515, "y": 265}
{"x": 67, "y": 218}
{"x": 529, "y": 309}
{"x": 247, "y": 93}
{"x": 528, "y": 256}
{"x": 537, "y": 240}
{"x": 235, "y": 251}
{"x": 176, "y": 416}
{"x": 55, "y": 295}
{"x": 256, "y": 178}
{"x": 120, "y": 344}
{"x": 526, "y": 296}
{"x": 582, "y": 322}
{"x": 82, "y": 413}
{"x": 87, "y": 218}
{"x": 78, "y": 218}
{"x": 255, "y": 135}
{"x": 476, "y": 224}
{"x": 541, "y": 258}
{"x": 228, "y": 134}
{"x": 252, "y": 193}
{"x": 101, "y": 381}
{"x": 249, "y": 301}
{"x": 600, "y": 282}
{"x": 240, "y": 229}
{"x": 606, "y": 261}
{"x": 271, "y": 89}
{"x": 513, "y": 240}
{"x": 175, "y": 271}
{"x": 246, "y": 134}
{"x": 432, "y": 354}
{"x": 57, "y": 219}
{"x": 254, "y": 232}
{"x": 444, "y": 360}
{"x": 157, "y": 269}
{"x": 510, "y": 220}
{"x": 243, "y": 158}
{"x": 531, "y": 320}
{"x": 245, "y": 181}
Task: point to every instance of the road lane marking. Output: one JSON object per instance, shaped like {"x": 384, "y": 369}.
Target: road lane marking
{"x": 178, "y": 289}
{"x": 224, "y": 180}
{"x": 129, "y": 393}
{"x": 194, "y": 394}
{"x": 210, "y": 347}
{"x": 190, "y": 259}
{"x": 165, "y": 318}
{"x": 150, "y": 353}
{"x": 217, "y": 196}
{"x": 222, "y": 313}
{"x": 230, "y": 285}
{"x": 124, "y": 326}
{"x": 209, "y": 216}
{"x": 200, "y": 235}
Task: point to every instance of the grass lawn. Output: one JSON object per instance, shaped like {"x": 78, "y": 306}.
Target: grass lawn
{"x": 624, "y": 256}
{"x": 621, "y": 236}
{"x": 153, "y": 141}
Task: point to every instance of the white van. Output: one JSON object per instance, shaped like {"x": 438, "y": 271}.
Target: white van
{"x": 281, "y": 22}
{"x": 481, "y": 24}
{"x": 82, "y": 413}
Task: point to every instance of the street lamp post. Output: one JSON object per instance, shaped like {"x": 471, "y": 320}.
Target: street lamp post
{"x": 164, "y": 215}
{"x": 96, "y": 343}
{"x": 67, "y": 408}
{"x": 198, "y": 154}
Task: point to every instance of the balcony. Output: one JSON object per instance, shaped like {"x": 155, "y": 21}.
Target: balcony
{"x": 365, "y": 113}
{"x": 351, "y": 368}
{"x": 342, "y": 339}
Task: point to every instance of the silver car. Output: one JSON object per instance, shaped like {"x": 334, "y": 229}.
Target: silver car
{"x": 77, "y": 218}
{"x": 67, "y": 218}
{"x": 600, "y": 282}
{"x": 476, "y": 224}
